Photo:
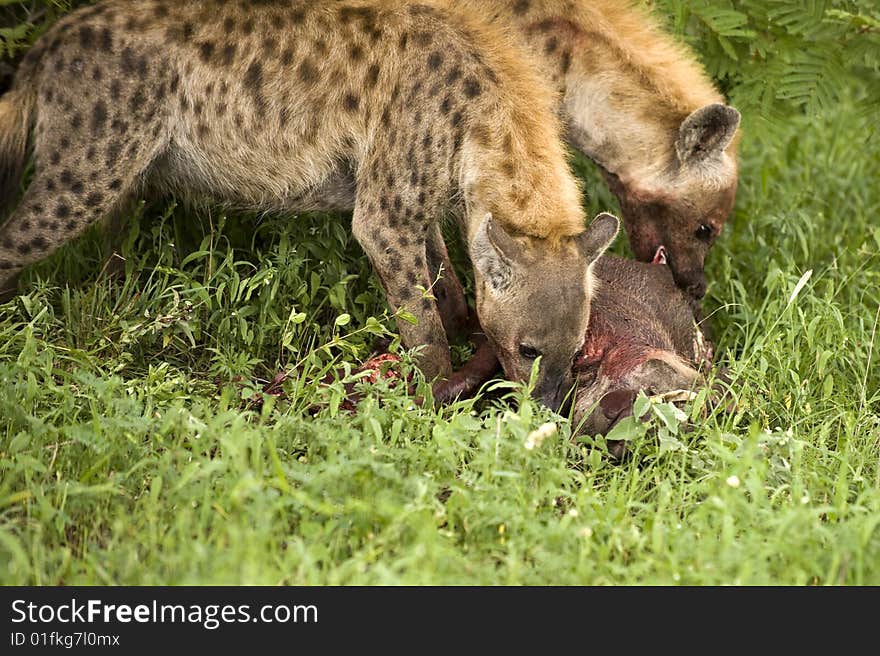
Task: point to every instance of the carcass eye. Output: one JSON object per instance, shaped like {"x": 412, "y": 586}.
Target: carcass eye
{"x": 704, "y": 232}
{"x": 529, "y": 352}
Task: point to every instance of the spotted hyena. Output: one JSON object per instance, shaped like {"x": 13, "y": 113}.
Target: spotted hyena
{"x": 639, "y": 105}
{"x": 397, "y": 111}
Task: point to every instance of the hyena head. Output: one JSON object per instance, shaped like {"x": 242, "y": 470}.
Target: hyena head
{"x": 533, "y": 300}
{"x": 684, "y": 211}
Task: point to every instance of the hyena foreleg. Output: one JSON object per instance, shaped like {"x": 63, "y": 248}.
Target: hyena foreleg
{"x": 396, "y": 249}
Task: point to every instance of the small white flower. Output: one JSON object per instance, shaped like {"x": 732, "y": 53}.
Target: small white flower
{"x": 586, "y": 532}
{"x": 536, "y": 437}
{"x": 573, "y": 512}
{"x": 805, "y": 499}
{"x": 733, "y": 481}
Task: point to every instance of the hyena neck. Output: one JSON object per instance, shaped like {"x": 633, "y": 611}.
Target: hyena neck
{"x": 525, "y": 185}
{"x": 629, "y": 135}
{"x": 627, "y": 86}
{"x": 613, "y": 133}
{"x": 513, "y": 161}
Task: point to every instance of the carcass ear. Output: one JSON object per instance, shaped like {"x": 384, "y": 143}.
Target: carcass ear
{"x": 494, "y": 254}
{"x": 708, "y": 130}
{"x": 599, "y": 236}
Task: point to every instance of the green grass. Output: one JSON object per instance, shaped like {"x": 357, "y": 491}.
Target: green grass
{"x": 137, "y": 446}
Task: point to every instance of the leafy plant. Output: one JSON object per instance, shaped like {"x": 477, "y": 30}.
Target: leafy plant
{"x": 775, "y": 57}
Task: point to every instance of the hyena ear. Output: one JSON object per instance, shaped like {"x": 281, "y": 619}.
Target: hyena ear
{"x": 708, "y": 130}
{"x": 494, "y": 253}
{"x": 599, "y": 236}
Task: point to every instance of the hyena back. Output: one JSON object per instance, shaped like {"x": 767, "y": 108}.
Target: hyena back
{"x": 639, "y": 105}
{"x": 400, "y": 112}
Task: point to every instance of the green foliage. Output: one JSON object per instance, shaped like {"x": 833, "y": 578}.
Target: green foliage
{"x": 775, "y": 57}
{"x": 21, "y": 23}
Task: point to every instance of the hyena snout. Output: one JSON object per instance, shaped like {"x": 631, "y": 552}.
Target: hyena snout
{"x": 553, "y": 390}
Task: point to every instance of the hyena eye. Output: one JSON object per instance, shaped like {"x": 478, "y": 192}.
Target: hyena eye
{"x": 529, "y": 352}
{"x": 704, "y": 232}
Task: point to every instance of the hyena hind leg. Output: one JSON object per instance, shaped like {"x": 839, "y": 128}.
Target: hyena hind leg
{"x": 71, "y": 190}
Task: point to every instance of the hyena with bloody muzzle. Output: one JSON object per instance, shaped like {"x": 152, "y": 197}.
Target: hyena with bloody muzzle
{"x": 638, "y": 104}
{"x": 398, "y": 111}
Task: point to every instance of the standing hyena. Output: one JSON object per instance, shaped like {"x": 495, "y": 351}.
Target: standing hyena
{"x": 400, "y": 112}
{"x": 639, "y": 105}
